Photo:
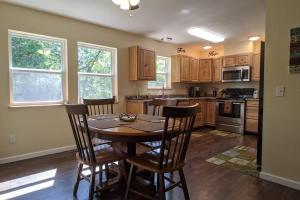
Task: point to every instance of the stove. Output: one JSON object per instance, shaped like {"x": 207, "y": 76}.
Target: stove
{"x": 231, "y": 109}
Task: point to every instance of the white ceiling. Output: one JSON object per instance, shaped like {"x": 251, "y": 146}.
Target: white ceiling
{"x": 235, "y": 19}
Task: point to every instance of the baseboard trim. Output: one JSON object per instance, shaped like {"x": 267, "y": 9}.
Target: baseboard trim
{"x": 36, "y": 154}
{"x": 280, "y": 180}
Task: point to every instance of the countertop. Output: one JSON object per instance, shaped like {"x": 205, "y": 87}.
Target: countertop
{"x": 178, "y": 98}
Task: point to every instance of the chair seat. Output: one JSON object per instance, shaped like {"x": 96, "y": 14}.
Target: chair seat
{"x": 104, "y": 154}
{"x": 97, "y": 141}
{"x": 150, "y": 161}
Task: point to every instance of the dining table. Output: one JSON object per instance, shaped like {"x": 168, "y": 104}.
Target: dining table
{"x": 146, "y": 128}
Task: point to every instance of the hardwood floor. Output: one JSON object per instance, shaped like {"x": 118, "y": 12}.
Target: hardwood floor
{"x": 205, "y": 180}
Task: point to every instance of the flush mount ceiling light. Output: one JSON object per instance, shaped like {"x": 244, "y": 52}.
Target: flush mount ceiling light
{"x": 254, "y": 38}
{"x": 206, "y": 34}
{"x": 127, "y": 4}
{"x": 207, "y": 47}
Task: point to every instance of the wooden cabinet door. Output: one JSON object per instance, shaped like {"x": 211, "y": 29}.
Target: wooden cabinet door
{"x": 147, "y": 65}
{"x": 200, "y": 117}
{"x": 252, "y": 125}
{"x": 256, "y": 67}
{"x": 244, "y": 59}
{"x": 205, "y": 70}
{"x": 211, "y": 112}
{"x": 252, "y": 113}
{"x": 229, "y": 61}
{"x": 135, "y": 107}
{"x": 217, "y": 69}
{"x": 194, "y": 70}
{"x": 185, "y": 68}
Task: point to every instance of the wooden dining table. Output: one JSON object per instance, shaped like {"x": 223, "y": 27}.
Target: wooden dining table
{"x": 130, "y": 133}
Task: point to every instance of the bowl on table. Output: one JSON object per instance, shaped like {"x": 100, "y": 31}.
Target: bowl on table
{"x": 125, "y": 117}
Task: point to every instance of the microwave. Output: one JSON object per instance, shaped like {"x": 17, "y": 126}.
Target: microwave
{"x": 236, "y": 74}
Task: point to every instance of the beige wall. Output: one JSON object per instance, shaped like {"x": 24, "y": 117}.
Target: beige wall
{"x": 40, "y": 128}
{"x": 281, "y": 134}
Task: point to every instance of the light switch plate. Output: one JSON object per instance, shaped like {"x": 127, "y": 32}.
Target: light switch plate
{"x": 280, "y": 91}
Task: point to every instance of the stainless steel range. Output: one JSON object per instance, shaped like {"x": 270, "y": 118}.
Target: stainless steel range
{"x": 232, "y": 119}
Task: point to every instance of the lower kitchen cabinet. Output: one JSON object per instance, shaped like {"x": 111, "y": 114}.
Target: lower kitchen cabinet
{"x": 136, "y": 107}
{"x": 252, "y": 109}
{"x": 210, "y": 113}
{"x": 200, "y": 117}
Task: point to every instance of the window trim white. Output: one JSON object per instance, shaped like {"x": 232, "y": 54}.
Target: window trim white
{"x": 63, "y": 71}
{"x": 167, "y": 73}
{"x": 114, "y": 72}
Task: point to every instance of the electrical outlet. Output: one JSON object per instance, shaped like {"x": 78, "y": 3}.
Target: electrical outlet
{"x": 280, "y": 91}
{"x": 12, "y": 139}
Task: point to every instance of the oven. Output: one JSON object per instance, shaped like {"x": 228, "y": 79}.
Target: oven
{"x": 236, "y": 74}
{"x": 233, "y": 121}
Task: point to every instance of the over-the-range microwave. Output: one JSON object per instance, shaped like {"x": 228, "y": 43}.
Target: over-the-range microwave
{"x": 236, "y": 74}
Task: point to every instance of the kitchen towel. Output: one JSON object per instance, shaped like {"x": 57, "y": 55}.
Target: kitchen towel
{"x": 228, "y": 107}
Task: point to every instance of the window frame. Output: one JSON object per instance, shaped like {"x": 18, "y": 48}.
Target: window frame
{"x": 63, "y": 71}
{"x": 167, "y": 74}
{"x": 114, "y": 71}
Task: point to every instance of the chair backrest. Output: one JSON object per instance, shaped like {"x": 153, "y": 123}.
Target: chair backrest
{"x": 158, "y": 105}
{"x": 176, "y": 137}
{"x": 100, "y": 106}
{"x": 78, "y": 119}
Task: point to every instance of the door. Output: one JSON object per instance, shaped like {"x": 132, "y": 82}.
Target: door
{"x": 185, "y": 68}
{"x": 194, "y": 70}
{"x": 205, "y": 70}
{"x": 147, "y": 66}
{"x": 217, "y": 69}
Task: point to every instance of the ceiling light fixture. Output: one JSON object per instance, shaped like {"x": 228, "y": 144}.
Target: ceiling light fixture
{"x": 207, "y": 47}
{"x": 127, "y": 4}
{"x": 254, "y": 38}
{"x": 206, "y": 34}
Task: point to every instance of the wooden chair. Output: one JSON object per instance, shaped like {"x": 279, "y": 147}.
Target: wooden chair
{"x": 100, "y": 106}
{"x": 88, "y": 154}
{"x": 158, "y": 105}
{"x": 175, "y": 140}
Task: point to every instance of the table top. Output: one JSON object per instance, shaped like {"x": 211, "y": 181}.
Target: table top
{"x": 124, "y": 133}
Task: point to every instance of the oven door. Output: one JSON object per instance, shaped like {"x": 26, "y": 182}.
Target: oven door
{"x": 235, "y": 117}
{"x": 232, "y": 74}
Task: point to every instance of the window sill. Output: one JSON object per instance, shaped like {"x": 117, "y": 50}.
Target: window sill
{"x": 159, "y": 89}
{"x": 37, "y": 105}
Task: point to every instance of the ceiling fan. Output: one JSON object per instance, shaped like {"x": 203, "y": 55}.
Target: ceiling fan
{"x": 127, "y": 4}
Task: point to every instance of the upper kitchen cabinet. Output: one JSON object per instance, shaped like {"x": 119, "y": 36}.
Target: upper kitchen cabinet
{"x": 194, "y": 70}
{"x": 238, "y": 60}
{"x": 205, "y": 70}
{"x": 142, "y": 64}
{"x": 256, "y": 67}
{"x": 180, "y": 68}
{"x": 217, "y": 69}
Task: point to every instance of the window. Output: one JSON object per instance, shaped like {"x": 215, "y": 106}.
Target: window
{"x": 96, "y": 71}
{"x": 37, "y": 69}
{"x": 163, "y": 74}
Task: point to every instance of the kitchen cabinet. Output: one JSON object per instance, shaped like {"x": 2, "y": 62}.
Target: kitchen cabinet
{"x": 256, "y": 67}
{"x": 200, "y": 117}
{"x": 180, "y": 68}
{"x": 229, "y": 61}
{"x": 217, "y": 69}
{"x": 210, "y": 113}
{"x": 142, "y": 64}
{"x": 252, "y": 110}
{"x": 136, "y": 107}
{"x": 194, "y": 70}
{"x": 238, "y": 60}
{"x": 205, "y": 70}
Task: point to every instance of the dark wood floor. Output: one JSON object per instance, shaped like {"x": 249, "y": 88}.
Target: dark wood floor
{"x": 206, "y": 181}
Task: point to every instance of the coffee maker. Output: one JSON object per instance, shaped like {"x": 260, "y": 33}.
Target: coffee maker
{"x": 194, "y": 91}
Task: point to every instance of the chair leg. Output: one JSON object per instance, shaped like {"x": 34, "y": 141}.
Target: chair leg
{"x": 184, "y": 186}
{"x": 129, "y": 183}
{"x": 107, "y": 172}
{"x": 161, "y": 190}
{"x": 92, "y": 183}
{"x": 78, "y": 177}
{"x": 100, "y": 175}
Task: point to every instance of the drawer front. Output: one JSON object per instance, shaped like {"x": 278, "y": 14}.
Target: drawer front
{"x": 252, "y": 125}
{"x": 251, "y": 103}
